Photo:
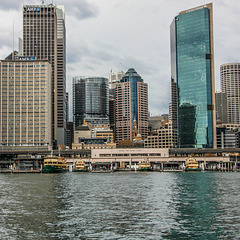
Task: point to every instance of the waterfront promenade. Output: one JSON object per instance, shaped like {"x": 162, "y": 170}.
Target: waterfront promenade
{"x": 122, "y": 159}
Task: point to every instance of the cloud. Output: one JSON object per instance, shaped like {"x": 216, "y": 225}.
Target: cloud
{"x": 82, "y": 9}
{"x": 104, "y": 35}
{"x": 10, "y": 4}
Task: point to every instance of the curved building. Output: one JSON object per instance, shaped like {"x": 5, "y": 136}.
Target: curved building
{"x": 90, "y": 100}
{"x": 230, "y": 84}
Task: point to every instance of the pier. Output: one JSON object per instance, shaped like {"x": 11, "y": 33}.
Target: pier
{"x": 124, "y": 159}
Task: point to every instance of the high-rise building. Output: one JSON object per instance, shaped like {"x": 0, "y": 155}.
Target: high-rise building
{"x": 221, "y": 107}
{"x": 230, "y": 84}
{"x": 173, "y": 104}
{"x": 67, "y": 107}
{"x": 131, "y": 104}
{"x": 192, "y": 68}
{"x": 90, "y": 101}
{"x": 115, "y": 78}
{"x": 112, "y": 114}
{"x": 25, "y": 104}
{"x": 44, "y": 38}
{"x": 69, "y": 134}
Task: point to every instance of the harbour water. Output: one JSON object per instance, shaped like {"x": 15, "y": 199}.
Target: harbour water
{"x": 141, "y": 205}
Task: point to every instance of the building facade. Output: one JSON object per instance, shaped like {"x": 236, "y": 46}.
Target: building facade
{"x": 115, "y": 78}
{"x": 228, "y": 136}
{"x": 25, "y": 103}
{"x": 221, "y": 107}
{"x": 192, "y": 63}
{"x": 90, "y": 101}
{"x": 165, "y": 137}
{"x": 67, "y": 107}
{"x": 86, "y": 137}
{"x": 69, "y": 134}
{"x": 131, "y": 104}
{"x": 230, "y": 84}
{"x": 44, "y": 37}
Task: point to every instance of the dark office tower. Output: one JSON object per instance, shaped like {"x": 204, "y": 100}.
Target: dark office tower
{"x": 131, "y": 105}
{"x": 173, "y": 105}
{"x": 44, "y": 38}
{"x": 221, "y": 107}
{"x": 90, "y": 101}
{"x": 67, "y": 107}
{"x": 230, "y": 84}
{"x": 112, "y": 113}
{"x": 193, "y": 71}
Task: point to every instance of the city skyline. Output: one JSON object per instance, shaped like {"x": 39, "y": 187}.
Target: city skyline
{"x": 95, "y": 45}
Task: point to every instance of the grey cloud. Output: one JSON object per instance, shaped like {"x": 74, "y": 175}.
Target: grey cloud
{"x": 10, "y": 4}
{"x": 80, "y": 9}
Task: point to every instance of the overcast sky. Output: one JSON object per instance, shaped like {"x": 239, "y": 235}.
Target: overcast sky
{"x": 105, "y": 35}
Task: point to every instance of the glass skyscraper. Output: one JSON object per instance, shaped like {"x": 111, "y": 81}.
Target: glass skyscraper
{"x": 192, "y": 69}
{"x": 90, "y": 101}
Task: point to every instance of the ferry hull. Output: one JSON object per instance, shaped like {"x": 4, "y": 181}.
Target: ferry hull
{"x": 79, "y": 170}
{"x": 193, "y": 169}
{"x": 145, "y": 169}
{"x": 53, "y": 169}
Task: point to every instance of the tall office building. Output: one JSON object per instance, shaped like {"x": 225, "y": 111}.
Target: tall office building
{"x": 131, "y": 105}
{"x": 230, "y": 84}
{"x": 192, "y": 69}
{"x": 115, "y": 78}
{"x": 90, "y": 101}
{"x": 173, "y": 104}
{"x": 25, "y": 104}
{"x": 44, "y": 38}
{"x": 67, "y": 107}
{"x": 221, "y": 106}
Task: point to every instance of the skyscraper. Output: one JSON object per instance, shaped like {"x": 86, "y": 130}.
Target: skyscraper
{"x": 192, "y": 69}
{"x": 44, "y": 38}
{"x": 115, "y": 78}
{"x": 25, "y": 104}
{"x": 90, "y": 101}
{"x": 230, "y": 84}
{"x": 131, "y": 105}
{"x": 221, "y": 107}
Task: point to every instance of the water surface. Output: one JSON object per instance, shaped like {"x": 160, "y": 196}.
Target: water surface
{"x": 141, "y": 205}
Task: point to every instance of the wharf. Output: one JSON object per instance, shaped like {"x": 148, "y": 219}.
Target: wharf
{"x": 101, "y": 171}
{"x": 172, "y": 170}
{"x": 19, "y": 171}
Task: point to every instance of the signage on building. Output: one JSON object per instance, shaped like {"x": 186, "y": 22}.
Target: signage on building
{"x": 33, "y": 9}
{"x": 26, "y": 58}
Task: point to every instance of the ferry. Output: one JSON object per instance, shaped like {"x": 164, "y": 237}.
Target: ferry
{"x": 80, "y": 166}
{"x": 144, "y": 166}
{"x": 54, "y": 164}
{"x": 192, "y": 165}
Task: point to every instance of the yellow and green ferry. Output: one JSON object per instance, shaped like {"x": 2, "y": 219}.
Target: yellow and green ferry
{"x": 192, "y": 165}
{"x": 54, "y": 164}
{"x": 144, "y": 166}
{"x": 80, "y": 166}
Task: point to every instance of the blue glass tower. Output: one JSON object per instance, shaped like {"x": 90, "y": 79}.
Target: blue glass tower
{"x": 193, "y": 72}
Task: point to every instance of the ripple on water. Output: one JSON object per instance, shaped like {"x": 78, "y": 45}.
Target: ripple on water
{"x": 120, "y": 206}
